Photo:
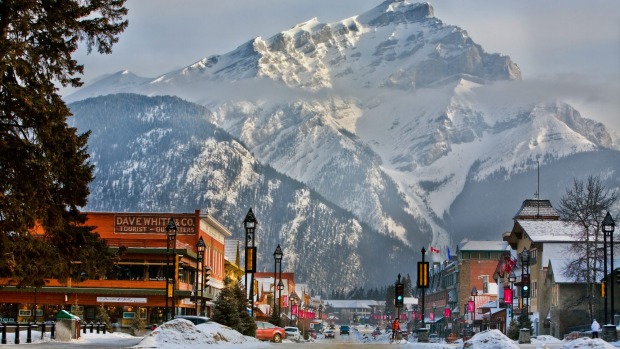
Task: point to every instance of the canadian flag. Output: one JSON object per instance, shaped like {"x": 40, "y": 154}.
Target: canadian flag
{"x": 434, "y": 250}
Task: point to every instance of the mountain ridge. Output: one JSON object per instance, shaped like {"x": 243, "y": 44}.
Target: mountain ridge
{"x": 392, "y": 115}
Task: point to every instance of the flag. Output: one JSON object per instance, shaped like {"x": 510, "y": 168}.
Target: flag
{"x": 434, "y": 250}
{"x": 449, "y": 255}
{"x": 511, "y": 263}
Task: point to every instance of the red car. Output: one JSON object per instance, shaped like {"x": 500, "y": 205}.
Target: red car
{"x": 266, "y": 331}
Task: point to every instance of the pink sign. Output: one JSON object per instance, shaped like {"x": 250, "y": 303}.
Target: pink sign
{"x": 508, "y": 295}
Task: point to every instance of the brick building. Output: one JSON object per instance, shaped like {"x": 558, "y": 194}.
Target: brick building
{"x": 136, "y": 286}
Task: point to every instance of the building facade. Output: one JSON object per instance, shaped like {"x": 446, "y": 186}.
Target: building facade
{"x": 136, "y": 286}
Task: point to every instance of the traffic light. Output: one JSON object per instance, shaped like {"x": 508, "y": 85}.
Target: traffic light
{"x": 398, "y": 299}
{"x": 617, "y": 275}
{"x": 525, "y": 286}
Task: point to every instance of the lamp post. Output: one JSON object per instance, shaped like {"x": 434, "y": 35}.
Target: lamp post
{"x": 447, "y": 314}
{"x": 280, "y": 288}
{"x": 171, "y": 233}
{"x": 293, "y": 302}
{"x": 512, "y": 278}
{"x": 474, "y": 293}
{"x": 249, "y": 223}
{"x": 200, "y": 250}
{"x": 434, "y": 326}
{"x": 277, "y": 257}
{"x": 608, "y": 227}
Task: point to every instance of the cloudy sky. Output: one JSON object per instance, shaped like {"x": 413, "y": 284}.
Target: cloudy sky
{"x": 572, "y": 46}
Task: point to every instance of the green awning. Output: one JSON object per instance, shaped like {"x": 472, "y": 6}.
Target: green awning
{"x": 63, "y": 314}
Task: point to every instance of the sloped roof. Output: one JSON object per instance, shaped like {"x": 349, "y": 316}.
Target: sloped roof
{"x": 550, "y": 231}
{"x": 537, "y": 209}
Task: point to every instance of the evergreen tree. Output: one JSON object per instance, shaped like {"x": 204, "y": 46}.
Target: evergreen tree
{"x": 231, "y": 309}
{"x": 514, "y": 329}
{"x": 104, "y": 318}
{"x": 44, "y": 169}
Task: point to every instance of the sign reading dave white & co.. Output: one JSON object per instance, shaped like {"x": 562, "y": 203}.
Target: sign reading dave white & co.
{"x": 148, "y": 224}
{"x": 121, "y": 300}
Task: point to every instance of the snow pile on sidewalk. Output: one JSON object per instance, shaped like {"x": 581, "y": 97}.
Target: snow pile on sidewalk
{"x": 545, "y": 339}
{"x": 491, "y": 339}
{"x": 180, "y": 334}
{"x": 589, "y": 343}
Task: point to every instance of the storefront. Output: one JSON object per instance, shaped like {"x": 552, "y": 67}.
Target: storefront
{"x": 136, "y": 286}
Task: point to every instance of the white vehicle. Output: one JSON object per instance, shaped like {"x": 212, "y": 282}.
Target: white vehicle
{"x": 293, "y": 333}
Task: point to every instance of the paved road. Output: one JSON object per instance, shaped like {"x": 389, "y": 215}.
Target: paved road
{"x": 340, "y": 342}
{"x": 103, "y": 344}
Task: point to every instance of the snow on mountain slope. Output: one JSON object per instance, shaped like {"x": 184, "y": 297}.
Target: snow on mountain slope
{"x": 388, "y": 114}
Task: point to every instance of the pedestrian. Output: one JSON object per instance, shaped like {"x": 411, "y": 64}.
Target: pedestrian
{"x": 595, "y": 328}
{"x": 395, "y": 328}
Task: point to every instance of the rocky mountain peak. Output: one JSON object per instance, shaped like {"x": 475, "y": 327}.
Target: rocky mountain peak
{"x": 396, "y": 12}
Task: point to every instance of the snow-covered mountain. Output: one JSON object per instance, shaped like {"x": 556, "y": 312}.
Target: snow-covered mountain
{"x": 392, "y": 115}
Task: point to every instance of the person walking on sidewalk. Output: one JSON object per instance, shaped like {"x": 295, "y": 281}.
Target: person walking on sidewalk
{"x": 595, "y": 328}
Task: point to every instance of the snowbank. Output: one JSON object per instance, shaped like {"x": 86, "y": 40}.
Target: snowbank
{"x": 181, "y": 334}
{"x": 590, "y": 343}
{"x": 491, "y": 339}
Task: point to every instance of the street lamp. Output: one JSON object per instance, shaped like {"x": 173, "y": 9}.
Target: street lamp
{"x": 474, "y": 293}
{"x": 608, "y": 227}
{"x": 200, "y": 251}
{"x": 249, "y": 223}
{"x": 277, "y": 257}
{"x": 171, "y": 233}
{"x": 512, "y": 278}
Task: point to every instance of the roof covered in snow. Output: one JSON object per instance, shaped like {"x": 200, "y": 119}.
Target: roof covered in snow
{"x": 550, "y": 231}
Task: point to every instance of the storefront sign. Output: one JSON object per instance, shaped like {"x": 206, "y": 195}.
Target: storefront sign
{"x": 121, "y": 300}
{"x": 133, "y": 223}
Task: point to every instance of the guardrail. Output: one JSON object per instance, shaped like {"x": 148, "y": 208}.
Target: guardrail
{"x": 29, "y": 328}
{"x": 17, "y": 327}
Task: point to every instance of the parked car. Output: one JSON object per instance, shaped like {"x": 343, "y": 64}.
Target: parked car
{"x": 293, "y": 333}
{"x": 266, "y": 331}
{"x": 312, "y": 333}
{"x": 344, "y": 329}
{"x": 433, "y": 338}
{"x": 196, "y": 320}
{"x": 329, "y": 333}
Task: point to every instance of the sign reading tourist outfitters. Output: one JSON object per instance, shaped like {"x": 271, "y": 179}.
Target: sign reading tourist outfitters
{"x": 132, "y": 223}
